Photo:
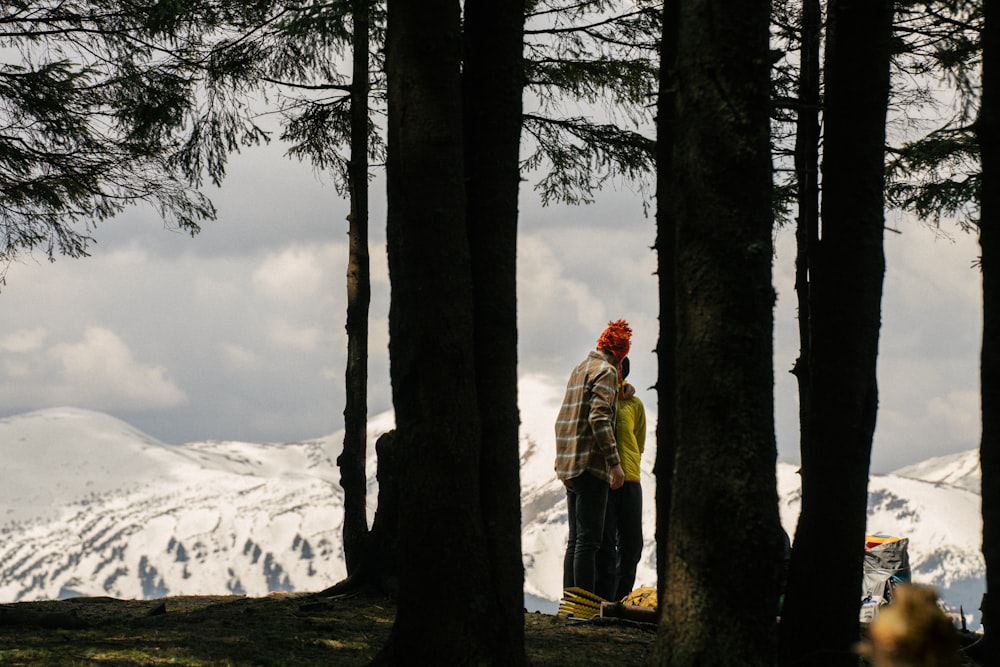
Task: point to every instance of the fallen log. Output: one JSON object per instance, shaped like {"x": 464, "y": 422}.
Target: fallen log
{"x": 630, "y": 612}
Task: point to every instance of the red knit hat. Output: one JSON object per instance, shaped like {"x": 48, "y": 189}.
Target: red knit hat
{"x": 617, "y": 339}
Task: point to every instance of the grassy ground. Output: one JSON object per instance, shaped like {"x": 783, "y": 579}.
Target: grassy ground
{"x": 276, "y": 630}
{"x": 279, "y": 630}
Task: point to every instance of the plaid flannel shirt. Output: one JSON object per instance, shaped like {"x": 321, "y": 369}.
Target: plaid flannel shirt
{"x": 585, "y": 427}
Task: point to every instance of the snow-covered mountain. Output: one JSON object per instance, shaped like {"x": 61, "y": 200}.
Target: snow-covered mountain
{"x": 91, "y": 506}
{"x": 936, "y": 505}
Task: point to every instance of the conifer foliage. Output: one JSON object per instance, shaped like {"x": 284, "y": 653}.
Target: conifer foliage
{"x": 107, "y": 104}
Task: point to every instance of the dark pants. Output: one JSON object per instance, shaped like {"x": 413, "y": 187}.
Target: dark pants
{"x": 586, "y": 504}
{"x": 621, "y": 547}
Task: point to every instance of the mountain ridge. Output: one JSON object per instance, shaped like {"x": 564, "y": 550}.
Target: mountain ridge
{"x": 125, "y": 515}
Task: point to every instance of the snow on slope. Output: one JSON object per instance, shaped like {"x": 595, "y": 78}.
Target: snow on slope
{"x": 961, "y": 470}
{"x": 932, "y": 505}
{"x": 942, "y": 522}
{"x": 935, "y": 504}
{"x": 98, "y": 508}
{"x": 56, "y": 456}
{"x": 91, "y": 506}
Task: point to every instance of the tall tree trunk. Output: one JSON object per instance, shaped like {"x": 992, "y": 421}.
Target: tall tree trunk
{"x": 807, "y": 175}
{"x": 666, "y": 250}
{"x": 989, "y": 243}
{"x": 723, "y": 548}
{"x": 847, "y": 268}
{"x": 807, "y": 145}
{"x": 493, "y": 81}
{"x": 353, "y": 479}
{"x": 442, "y": 542}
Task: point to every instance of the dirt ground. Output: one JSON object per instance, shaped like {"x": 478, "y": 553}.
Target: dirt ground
{"x": 287, "y": 630}
{"x": 276, "y": 630}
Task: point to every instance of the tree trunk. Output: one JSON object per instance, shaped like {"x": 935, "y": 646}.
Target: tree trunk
{"x": 807, "y": 139}
{"x": 847, "y": 268}
{"x": 376, "y": 567}
{"x": 989, "y": 243}
{"x": 353, "y": 478}
{"x": 666, "y": 250}
{"x": 724, "y": 544}
{"x": 493, "y": 81}
{"x": 442, "y": 539}
{"x": 807, "y": 146}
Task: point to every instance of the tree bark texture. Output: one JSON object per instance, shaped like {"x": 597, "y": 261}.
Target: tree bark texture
{"x": 724, "y": 544}
{"x": 493, "y": 81}
{"x": 353, "y": 478}
{"x": 989, "y": 243}
{"x": 666, "y": 250}
{"x": 847, "y": 268}
{"x": 376, "y": 567}
{"x": 443, "y": 552}
{"x": 807, "y": 140}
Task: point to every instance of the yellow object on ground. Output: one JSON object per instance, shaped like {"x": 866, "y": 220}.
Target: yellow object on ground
{"x": 579, "y": 603}
{"x": 641, "y": 597}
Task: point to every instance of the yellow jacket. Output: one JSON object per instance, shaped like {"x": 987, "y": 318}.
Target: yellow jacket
{"x": 630, "y": 431}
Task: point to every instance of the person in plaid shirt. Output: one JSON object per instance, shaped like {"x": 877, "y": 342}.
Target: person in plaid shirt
{"x": 587, "y": 459}
{"x": 621, "y": 549}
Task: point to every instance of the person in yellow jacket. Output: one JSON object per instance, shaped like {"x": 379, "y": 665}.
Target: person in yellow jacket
{"x": 621, "y": 546}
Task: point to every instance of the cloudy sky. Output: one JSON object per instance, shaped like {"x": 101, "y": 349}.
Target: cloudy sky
{"x": 238, "y": 333}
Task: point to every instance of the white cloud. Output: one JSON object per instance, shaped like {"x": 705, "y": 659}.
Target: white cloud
{"x": 546, "y": 294}
{"x": 100, "y": 371}
{"x": 929, "y": 272}
{"x": 221, "y": 287}
{"x": 958, "y": 408}
{"x": 940, "y": 424}
{"x": 378, "y": 261}
{"x": 239, "y": 358}
{"x": 928, "y": 348}
{"x": 249, "y": 317}
{"x": 295, "y": 273}
{"x": 302, "y": 338}
{"x": 23, "y": 340}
